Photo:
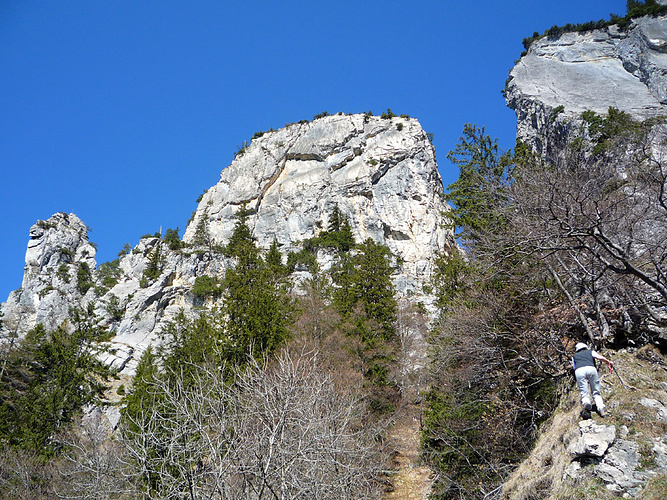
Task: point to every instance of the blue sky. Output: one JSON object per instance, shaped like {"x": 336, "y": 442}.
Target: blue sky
{"x": 124, "y": 112}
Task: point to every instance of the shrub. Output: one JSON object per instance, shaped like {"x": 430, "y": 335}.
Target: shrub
{"x": 241, "y": 149}
{"x": 45, "y": 224}
{"x": 172, "y": 239}
{"x": 206, "y": 286}
{"x": 150, "y": 236}
{"x": 66, "y": 252}
{"x": 201, "y": 196}
{"x": 125, "y": 250}
{"x": 63, "y": 273}
{"x": 84, "y": 278}
{"x": 302, "y": 258}
{"x": 109, "y": 272}
{"x": 555, "y": 112}
{"x": 388, "y": 115}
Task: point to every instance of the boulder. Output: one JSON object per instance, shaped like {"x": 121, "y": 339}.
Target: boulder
{"x": 594, "y": 440}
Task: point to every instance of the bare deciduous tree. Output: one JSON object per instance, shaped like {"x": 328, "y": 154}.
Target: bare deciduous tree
{"x": 599, "y": 223}
{"x": 283, "y": 431}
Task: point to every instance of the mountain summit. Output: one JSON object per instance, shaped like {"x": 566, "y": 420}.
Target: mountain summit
{"x": 379, "y": 174}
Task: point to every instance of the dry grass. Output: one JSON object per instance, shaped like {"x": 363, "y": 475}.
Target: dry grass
{"x": 413, "y": 479}
{"x": 542, "y": 474}
{"x": 545, "y": 466}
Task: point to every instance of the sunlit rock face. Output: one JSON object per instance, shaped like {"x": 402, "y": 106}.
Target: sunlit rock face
{"x": 57, "y": 249}
{"x": 381, "y": 173}
{"x": 561, "y": 77}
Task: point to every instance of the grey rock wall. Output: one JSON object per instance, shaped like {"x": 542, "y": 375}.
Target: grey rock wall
{"x": 588, "y": 71}
{"x": 57, "y": 248}
{"x": 381, "y": 173}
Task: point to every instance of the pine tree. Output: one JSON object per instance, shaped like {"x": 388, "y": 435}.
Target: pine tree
{"x": 364, "y": 280}
{"x": 274, "y": 261}
{"x": 481, "y": 186}
{"x": 141, "y": 397}
{"x": 46, "y": 381}
{"x": 255, "y": 308}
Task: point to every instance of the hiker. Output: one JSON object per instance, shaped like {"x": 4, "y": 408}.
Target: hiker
{"x": 586, "y": 375}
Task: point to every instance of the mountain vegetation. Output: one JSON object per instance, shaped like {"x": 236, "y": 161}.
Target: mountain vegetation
{"x": 558, "y": 252}
{"x": 265, "y": 393}
{"x": 634, "y": 9}
{"x": 285, "y": 373}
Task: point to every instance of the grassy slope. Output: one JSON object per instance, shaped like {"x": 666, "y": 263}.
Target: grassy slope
{"x": 541, "y": 474}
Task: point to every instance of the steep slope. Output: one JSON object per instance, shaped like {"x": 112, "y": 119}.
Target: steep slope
{"x": 380, "y": 173}
{"x": 624, "y": 454}
{"x": 559, "y": 79}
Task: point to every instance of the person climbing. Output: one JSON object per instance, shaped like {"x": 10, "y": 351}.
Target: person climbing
{"x": 586, "y": 375}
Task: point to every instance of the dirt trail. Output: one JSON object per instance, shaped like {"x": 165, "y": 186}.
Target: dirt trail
{"x": 412, "y": 480}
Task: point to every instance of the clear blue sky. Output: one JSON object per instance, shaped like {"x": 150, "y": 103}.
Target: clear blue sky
{"x": 124, "y": 112}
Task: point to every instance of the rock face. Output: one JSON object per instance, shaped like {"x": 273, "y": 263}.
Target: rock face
{"x": 594, "y": 440}
{"x": 380, "y": 173}
{"x": 624, "y": 453}
{"x": 58, "y": 255}
{"x": 625, "y": 69}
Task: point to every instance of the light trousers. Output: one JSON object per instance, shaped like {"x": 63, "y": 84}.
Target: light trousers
{"x": 588, "y": 382}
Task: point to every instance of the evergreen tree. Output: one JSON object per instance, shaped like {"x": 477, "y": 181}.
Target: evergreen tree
{"x": 242, "y": 242}
{"x": 335, "y": 220}
{"x": 191, "y": 345}
{"x": 201, "y": 231}
{"x": 256, "y": 310}
{"x": 141, "y": 397}
{"x": 84, "y": 278}
{"x": 154, "y": 266}
{"x": 274, "y": 261}
{"x": 481, "y": 187}
{"x": 364, "y": 280}
{"x": 46, "y": 381}
{"x": 172, "y": 239}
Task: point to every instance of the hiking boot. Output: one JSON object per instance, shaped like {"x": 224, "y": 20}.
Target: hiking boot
{"x": 587, "y": 407}
{"x": 585, "y": 414}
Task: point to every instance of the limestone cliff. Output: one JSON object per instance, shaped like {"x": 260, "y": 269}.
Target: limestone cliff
{"x": 380, "y": 173}
{"x": 561, "y": 77}
{"x": 56, "y": 261}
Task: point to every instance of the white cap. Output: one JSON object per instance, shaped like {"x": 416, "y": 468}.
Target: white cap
{"x": 580, "y": 346}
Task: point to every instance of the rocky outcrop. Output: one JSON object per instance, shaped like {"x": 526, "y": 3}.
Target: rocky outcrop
{"x": 59, "y": 263}
{"x": 594, "y": 439}
{"x": 624, "y": 453}
{"x": 380, "y": 173}
{"x": 561, "y": 77}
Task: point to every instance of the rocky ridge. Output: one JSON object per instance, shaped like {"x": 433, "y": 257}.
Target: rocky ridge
{"x": 561, "y": 77}
{"x": 381, "y": 173}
